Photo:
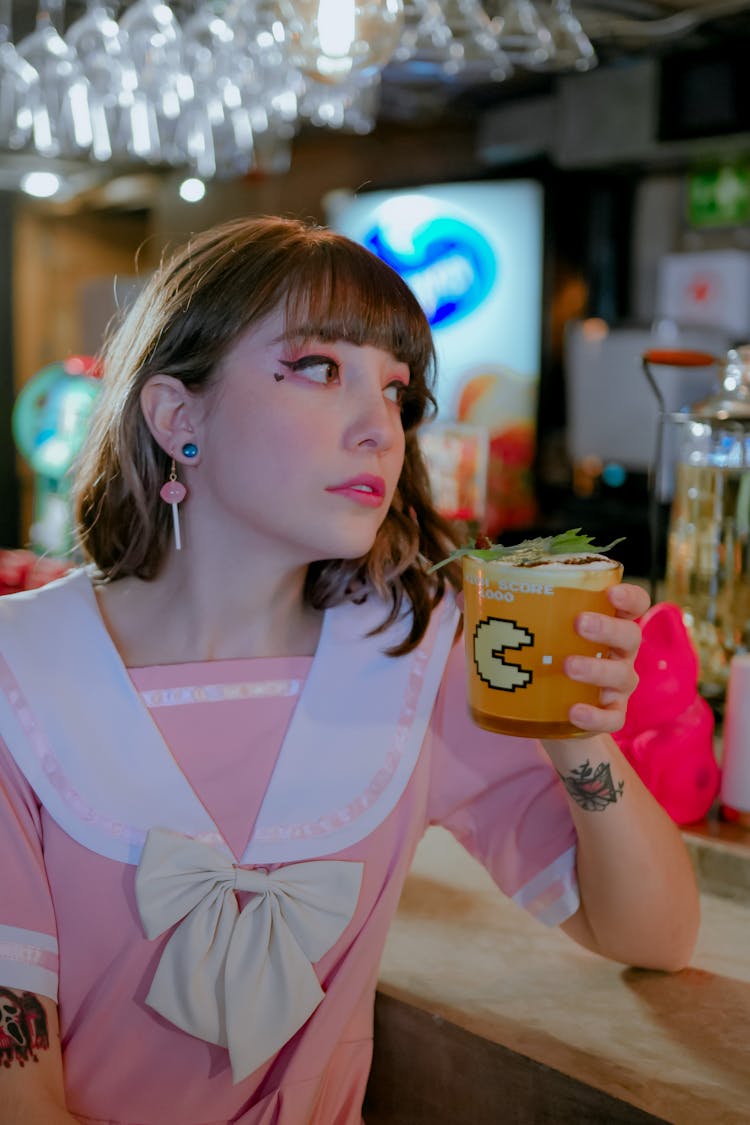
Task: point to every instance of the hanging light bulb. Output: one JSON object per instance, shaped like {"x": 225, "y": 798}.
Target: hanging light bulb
{"x": 331, "y": 40}
{"x": 336, "y": 28}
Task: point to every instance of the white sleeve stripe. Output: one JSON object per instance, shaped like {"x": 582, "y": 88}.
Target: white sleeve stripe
{"x": 14, "y": 934}
{"x": 552, "y": 895}
{"x": 562, "y": 908}
{"x": 30, "y": 978}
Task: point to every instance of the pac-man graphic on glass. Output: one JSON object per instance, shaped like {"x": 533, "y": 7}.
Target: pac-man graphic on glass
{"x": 492, "y": 636}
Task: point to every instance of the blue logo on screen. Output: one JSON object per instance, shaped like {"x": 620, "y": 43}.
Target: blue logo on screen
{"x": 449, "y": 266}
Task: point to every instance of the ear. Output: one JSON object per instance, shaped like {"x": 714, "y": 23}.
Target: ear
{"x": 170, "y": 412}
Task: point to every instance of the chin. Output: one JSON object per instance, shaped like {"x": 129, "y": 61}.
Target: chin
{"x": 352, "y": 552}
{"x": 350, "y": 538}
{"x": 351, "y": 546}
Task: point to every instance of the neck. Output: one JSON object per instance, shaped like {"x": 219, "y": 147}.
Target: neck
{"x": 195, "y": 613}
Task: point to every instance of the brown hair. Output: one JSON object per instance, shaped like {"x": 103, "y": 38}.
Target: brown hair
{"x": 184, "y": 321}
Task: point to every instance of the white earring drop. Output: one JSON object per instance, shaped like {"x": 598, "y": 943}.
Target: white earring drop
{"x": 173, "y": 492}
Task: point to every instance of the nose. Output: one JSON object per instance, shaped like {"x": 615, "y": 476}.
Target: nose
{"x": 375, "y": 423}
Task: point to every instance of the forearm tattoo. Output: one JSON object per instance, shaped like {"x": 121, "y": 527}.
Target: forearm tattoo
{"x": 593, "y": 789}
{"x": 23, "y": 1027}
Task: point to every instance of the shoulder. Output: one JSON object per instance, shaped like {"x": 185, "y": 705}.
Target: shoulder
{"x": 27, "y": 605}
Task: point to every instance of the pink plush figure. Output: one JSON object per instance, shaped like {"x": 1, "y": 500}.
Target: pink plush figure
{"x": 668, "y": 732}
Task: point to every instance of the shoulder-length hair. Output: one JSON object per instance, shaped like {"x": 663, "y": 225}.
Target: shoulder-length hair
{"x": 189, "y": 314}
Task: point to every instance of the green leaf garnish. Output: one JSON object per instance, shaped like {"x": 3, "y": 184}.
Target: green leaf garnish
{"x": 531, "y": 550}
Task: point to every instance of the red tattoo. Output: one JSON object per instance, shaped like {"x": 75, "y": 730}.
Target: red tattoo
{"x": 23, "y": 1027}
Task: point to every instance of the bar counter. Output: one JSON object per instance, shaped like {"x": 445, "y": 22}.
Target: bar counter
{"x": 485, "y": 1016}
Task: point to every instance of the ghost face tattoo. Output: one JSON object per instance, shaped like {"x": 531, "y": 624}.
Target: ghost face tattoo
{"x": 23, "y": 1028}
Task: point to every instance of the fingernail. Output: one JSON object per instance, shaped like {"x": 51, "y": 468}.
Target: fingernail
{"x": 589, "y": 625}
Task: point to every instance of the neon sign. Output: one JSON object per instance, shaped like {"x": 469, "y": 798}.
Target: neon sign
{"x": 447, "y": 263}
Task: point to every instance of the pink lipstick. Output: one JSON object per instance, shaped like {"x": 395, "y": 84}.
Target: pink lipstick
{"x": 364, "y": 489}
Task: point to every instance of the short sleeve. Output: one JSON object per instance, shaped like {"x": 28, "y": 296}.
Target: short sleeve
{"x": 501, "y": 798}
{"x": 28, "y": 938}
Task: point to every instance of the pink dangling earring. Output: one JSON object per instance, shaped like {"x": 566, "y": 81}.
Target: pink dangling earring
{"x": 173, "y": 492}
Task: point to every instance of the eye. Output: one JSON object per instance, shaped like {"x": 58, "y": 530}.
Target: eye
{"x": 396, "y": 391}
{"x": 316, "y": 368}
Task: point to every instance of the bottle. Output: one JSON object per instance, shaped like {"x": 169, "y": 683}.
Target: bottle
{"x": 708, "y": 547}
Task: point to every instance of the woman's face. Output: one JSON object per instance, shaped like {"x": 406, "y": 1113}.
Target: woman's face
{"x": 301, "y": 444}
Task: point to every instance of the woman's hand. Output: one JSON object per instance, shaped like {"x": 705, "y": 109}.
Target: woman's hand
{"x": 615, "y": 675}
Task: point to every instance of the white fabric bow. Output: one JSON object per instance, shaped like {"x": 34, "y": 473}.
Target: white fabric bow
{"x": 242, "y": 979}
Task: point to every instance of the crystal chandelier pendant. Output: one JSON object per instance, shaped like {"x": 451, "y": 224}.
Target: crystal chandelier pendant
{"x": 155, "y": 42}
{"x": 476, "y": 49}
{"x": 573, "y": 50}
{"x": 425, "y": 42}
{"x": 348, "y": 106}
{"x": 522, "y": 33}
{"x": 63, "y": 87}
{"x": 331, "y": 40}
{"x": 20, "y": 98}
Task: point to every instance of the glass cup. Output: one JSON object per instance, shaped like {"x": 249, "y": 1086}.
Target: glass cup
{"x": 519, "y": 627}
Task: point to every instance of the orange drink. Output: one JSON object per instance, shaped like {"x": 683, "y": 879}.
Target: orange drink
{"x": 518, "y": 622}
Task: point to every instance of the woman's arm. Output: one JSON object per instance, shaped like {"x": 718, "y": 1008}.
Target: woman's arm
{"x": 639, "y": 900}
{"x": 31, "y": 1077}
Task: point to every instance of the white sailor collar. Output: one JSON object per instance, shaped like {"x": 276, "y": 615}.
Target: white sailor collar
{"x": 84, "y": 739}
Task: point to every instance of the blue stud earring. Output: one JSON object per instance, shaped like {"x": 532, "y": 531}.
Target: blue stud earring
{"x": 190, "y": 449}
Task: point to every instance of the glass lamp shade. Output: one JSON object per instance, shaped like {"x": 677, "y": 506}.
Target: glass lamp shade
{"x": 331, "y": 40}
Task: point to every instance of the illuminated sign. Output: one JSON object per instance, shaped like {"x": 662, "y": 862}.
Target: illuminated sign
{"x": 448, "y": 264}
{"x": 472, "y": 254}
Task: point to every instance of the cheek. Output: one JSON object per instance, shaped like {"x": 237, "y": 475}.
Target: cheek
{"x": 282, "y": 457}
{"x": 255, "y": 434}
{"x": 399, "y": 450}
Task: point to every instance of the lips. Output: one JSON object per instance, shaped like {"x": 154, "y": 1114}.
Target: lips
{"x": 363, "y": 489}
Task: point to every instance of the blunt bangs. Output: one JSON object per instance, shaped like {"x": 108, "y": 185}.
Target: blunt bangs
{"x": 343, "y": 292}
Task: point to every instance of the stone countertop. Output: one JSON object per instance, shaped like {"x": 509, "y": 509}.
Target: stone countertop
{"x": 665, "y": 1047}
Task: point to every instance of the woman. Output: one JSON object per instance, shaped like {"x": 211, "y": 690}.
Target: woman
{"x": 225, "y": 737}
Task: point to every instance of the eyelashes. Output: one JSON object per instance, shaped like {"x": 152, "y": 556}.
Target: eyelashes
{"x": 309, "y": 364}
{"x": 323, "y": 370}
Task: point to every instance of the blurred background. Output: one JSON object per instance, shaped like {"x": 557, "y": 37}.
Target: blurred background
{"x": 564, "y": 185}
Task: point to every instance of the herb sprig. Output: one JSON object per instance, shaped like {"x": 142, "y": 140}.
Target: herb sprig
{"x": 529, "y": 550}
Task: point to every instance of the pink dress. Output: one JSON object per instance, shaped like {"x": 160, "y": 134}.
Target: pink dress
{"x": 70, "y": 926}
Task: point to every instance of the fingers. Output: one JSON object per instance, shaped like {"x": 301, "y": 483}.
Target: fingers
{"x": 597, "y": 720}
{"x": 616, "y": 680}
{"x": 614, "y": 674}
{"x": 629, "y": 601}
{"x": 613, "y": 677}
{"x": 620, "y": 635}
